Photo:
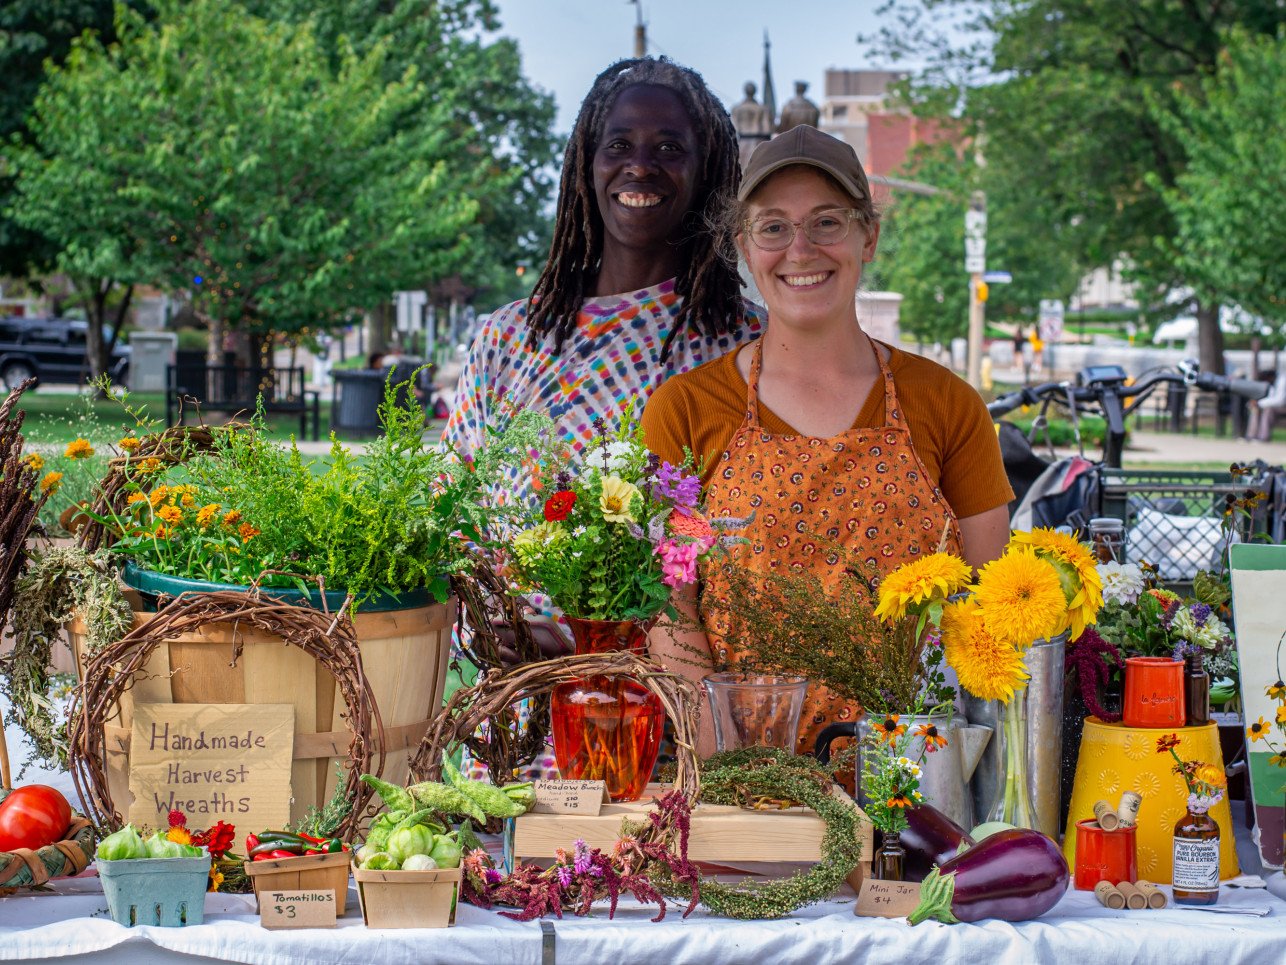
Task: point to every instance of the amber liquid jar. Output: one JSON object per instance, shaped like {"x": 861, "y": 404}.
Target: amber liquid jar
{"x": 1196, "y": 860}
{"x": 1196, "y": 690}
{"x": 890, "y": 859}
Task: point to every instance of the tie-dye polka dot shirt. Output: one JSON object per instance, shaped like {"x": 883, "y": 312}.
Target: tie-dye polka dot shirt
{"x": 613, "y": 359}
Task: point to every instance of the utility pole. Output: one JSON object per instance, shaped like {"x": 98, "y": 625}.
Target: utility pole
{"x": 640, "y": 30}
{"x": 975, "y": 265}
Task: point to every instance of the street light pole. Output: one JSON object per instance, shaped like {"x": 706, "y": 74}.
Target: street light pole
{"x": 640, "y": 30}
{"x": 975, "y": 265}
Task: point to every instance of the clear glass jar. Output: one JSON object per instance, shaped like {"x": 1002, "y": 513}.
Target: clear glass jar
{"x": 1108, "y": 536}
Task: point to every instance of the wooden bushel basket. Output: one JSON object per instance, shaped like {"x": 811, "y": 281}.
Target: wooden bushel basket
{"x": 308, "y": 872}
{"x": 404, "y": 656}
{"x": 408, "y": 899}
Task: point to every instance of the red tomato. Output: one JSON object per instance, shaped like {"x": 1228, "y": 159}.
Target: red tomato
{"x": 32, "y": 817}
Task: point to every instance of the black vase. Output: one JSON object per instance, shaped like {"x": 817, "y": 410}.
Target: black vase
{"x": 1074, "y": 714}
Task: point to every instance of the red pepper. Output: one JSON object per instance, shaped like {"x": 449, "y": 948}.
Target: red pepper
{"x": 309, "y": 837}
{"x": 314, "y": 851}
{"x": 274, "y": 855}
{"x": 252, "y": 842}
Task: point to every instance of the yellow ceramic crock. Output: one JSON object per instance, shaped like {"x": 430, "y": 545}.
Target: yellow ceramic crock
{"x": 1115, "y": 759}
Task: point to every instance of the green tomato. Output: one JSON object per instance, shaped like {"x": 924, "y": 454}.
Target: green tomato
{"x": 408, "y": 841}
{"x": 380, "y": 861}
{"x": 419, "y": 862}
{"x": 125, "y": 843}
{"x": 446, "y": 851}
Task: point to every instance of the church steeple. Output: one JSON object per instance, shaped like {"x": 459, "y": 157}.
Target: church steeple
{"x": 770, "y": 95}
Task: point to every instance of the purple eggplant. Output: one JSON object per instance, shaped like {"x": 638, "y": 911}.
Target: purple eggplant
{"x": 1013, "y": 875}
{"x": 931, "y": 838}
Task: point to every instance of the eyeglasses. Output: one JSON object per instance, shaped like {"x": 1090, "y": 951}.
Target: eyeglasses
{"x": 824, "y": 228}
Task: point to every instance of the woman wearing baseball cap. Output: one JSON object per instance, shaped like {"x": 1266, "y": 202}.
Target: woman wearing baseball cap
{"x": 818, "y": 432}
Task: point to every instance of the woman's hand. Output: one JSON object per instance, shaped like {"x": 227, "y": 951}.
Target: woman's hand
{"x": 685, "y": 650}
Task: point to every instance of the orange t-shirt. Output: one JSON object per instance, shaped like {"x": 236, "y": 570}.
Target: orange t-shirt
{"x": 950, "y": 428}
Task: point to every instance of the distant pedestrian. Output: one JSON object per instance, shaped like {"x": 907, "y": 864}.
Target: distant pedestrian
{"x": 1263, "y": 413}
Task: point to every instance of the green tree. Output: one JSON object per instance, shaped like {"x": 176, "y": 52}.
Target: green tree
{"x": 222, "y": 154}
{"x": 1067, "y": 93}
{"x": 1230, "y": 201}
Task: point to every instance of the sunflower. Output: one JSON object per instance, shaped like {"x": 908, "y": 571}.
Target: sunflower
{"x": 899, "y": 800}
{"x": 1021, "y": 597}
{"x": 51, "y": 482}
{"x": 1259, "y": 730}
{"x": 1077, "y": 570}
{"x": 932, "y": 738}
{"x": 1281, "y": 714}
{"x": 1277, "y": 691}
{"x": 1277, "y": 760}
{"x": 987, "y": 668}
{"x": 1167, "y": 742}
{"x": 78, "y": 449}
{"x": 919, "y": 582}
{"x": 889, "y": 729}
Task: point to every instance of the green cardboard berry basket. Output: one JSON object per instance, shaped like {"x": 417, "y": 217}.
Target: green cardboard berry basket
{"x": 156, "y": 891}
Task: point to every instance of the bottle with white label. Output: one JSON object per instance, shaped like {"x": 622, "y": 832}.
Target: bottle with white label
{"x": 1196, "y": 859}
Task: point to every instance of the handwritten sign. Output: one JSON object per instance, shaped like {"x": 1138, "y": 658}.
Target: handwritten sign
{"x": 887, "y": 899}
{"x": 569, "y": 797}
{"x": 214, "y": 762}
{"x": 297, "y": 909}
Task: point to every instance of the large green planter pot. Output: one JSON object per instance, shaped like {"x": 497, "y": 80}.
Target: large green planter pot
{"x": 405, "y": 646}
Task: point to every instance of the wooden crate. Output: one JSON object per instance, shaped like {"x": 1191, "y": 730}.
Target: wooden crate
{"x": 308, "y": 872}
{"x": 408, "y": 899}
{"x": 720, "y": 834}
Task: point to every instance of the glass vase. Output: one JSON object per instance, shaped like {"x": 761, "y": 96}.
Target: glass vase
{"x": 1012, "y": 803}
{"x": 607, "y": 727}
{"x": 755, "y": 710}
{"x": 890, "y": 860}
{"x": 1196, "y": 859}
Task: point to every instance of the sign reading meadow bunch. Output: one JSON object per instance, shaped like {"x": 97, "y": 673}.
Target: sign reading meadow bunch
{"x": 213, "y": 762}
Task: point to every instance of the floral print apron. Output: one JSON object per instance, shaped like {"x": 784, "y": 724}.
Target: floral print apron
{"x": 865, "y": 489}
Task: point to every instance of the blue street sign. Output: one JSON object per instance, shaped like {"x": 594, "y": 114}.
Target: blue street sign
{"x": 997, "y": 277}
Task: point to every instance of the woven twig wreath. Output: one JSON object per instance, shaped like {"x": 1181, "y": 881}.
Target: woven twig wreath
{"x": 469, "y": 707}
{"x": 328, "y": 638}
{"x": 26, "y": 867}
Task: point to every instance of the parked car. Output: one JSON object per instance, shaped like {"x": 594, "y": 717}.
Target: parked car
{"x": 51, "y": 350}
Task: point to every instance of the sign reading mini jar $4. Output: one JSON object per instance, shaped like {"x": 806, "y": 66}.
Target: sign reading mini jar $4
{"x": 213, "y": 762}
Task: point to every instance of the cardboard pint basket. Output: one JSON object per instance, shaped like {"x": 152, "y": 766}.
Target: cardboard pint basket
{"x": 155, "y": 891}
{"x": 308, "y": 872}
{"x": 408, "y": 899}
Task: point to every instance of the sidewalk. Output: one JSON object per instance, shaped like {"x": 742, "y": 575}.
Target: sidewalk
{"x": 1148, "y": 447}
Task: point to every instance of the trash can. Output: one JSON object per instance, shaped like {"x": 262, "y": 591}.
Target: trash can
{"x": 150, "y": 354}
{"x": 355, "y": 400}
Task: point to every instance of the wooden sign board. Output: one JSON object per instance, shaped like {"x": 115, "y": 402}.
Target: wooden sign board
{"x": 887, "y": 899}
{"x": 297, "y": 909}
{"x": 1258, "y": 588}
{"x": 570, "y": 797}
{"x": 214, "y": 762}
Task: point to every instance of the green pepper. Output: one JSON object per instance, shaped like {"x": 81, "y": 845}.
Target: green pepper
{"x": 298, "y": 847}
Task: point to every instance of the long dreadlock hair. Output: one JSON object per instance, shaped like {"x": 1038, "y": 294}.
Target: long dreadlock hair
{"x": 708, "y": 282}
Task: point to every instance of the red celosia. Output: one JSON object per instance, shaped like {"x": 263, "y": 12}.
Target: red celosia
{"x": 178, "y": 819}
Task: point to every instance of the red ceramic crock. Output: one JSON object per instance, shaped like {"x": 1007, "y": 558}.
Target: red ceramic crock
{"x": 1153, "y": 692}
{"x": 1104, "y": 855}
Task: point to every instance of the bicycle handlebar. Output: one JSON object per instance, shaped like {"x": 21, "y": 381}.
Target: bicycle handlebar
{"x": 1246, "y": 388}
{"x": 1065, "y": 391}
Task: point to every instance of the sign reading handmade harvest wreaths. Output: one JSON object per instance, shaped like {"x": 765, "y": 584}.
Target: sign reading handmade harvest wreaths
{"x": 214, "y": 762}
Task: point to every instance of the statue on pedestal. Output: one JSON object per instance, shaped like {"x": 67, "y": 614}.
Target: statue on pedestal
{"x": 753, "y": 122}
{"x": 798, "y": 110}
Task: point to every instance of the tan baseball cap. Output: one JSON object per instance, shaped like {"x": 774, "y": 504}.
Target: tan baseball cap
{"x": 806, "y": 145}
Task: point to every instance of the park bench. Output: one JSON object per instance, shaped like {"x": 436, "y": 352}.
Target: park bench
{"x": 237, "y": 389}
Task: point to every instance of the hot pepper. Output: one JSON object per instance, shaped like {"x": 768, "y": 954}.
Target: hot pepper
{"x": 252, "y": 842}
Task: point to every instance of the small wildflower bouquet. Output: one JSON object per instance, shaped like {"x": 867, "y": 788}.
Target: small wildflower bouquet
{"x": 618, "y": 532}
{"x": 890, "y": 777}
{"x": 226, "y": 869}
{"x": 1206, "y": 783}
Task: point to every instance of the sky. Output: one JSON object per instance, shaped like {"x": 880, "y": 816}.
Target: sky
{"x": 565, "y": 43}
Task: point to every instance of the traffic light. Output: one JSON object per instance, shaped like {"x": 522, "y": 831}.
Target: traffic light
{"x": 982, "y": 291}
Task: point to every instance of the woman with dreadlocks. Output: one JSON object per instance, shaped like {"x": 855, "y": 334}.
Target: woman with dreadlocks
{"x": 636, "y": 287}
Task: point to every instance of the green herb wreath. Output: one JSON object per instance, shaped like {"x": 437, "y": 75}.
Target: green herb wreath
{"x": 737, "y": 777}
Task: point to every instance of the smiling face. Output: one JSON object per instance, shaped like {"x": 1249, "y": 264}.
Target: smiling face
{"x": 806, "y": 284}
{"x": 646, "y": 168}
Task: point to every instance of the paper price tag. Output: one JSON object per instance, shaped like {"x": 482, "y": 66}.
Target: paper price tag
{"x": 570, "y": 797}
{"x": 887, "y": 899}
{"x": 297, "y": 909}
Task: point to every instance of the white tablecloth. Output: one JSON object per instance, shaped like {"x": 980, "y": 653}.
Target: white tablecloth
{"x": 71, "y": 925}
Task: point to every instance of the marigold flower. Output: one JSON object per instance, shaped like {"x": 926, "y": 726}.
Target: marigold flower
{"x": 617, "y": 499}
{"x": 1259, "y": 730}
{"x": 1021, "y": 598}
{"x": 918, "y": 582}
{"x": 158, "y": 495}
{"x": 889, "y": 729}
{"x": 161, "y": 532}
{"x": 1167, "y": 742}
{"x": 171, "y": 514}
{"x": 247, "y": 532}
{"x": 559, "y": 506}
{"x": 232, "y": 517}
{"x": 35, "y": 461}
{"x": 78, "y": 449}
{"x": 51, "y": 482}
{"x": 216, "y": 877}
{"x": 136, "y": 498}
{"x": 205, "y": 515}
{"x": 932, "y": 738}
{"x": 986, "y": 667}
{"x": 128, "y": 443}
{"x": 180, "y": 835}
{"x": 149, "y": 465}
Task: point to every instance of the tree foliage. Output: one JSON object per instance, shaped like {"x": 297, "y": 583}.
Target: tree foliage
{"x": 223, "y": 153}
{"x": 1067, "y": 93}
{"x": 1230, "y": 201}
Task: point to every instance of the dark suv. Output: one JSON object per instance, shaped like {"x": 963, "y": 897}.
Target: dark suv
{"x": 51, "y": 350}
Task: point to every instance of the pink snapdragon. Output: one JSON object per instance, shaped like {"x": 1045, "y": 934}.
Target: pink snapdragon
{"x": 678, "y": 561}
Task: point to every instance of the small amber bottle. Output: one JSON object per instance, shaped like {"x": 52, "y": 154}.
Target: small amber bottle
{"x": 1196, "y": 690}
{"x": 1196, "y": 859}
{"x": 890, "y": 859}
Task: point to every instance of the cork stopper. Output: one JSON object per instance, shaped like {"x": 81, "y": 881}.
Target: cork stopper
{"x": 1128, "y": 812}
{"x": 1156, "y": 897}
{"x": 1134, "y": 898}
{"x": 1108, "y": 896}
{"x": 1107, "y": 818}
